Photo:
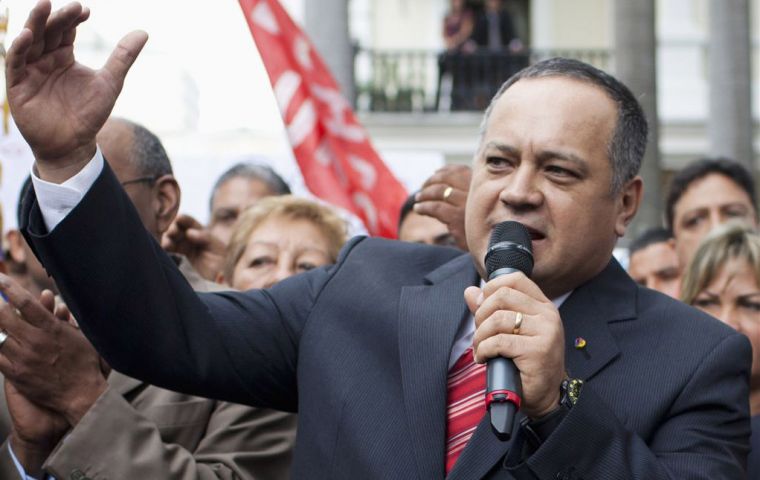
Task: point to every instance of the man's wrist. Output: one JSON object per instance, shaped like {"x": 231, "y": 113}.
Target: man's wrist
{"x": 60, "y": 169}
{"x": 539, "y": 428}
{"x": 31, "y": 455}
{"x": 552, "y": 406}
{"x": 77, "y": 407}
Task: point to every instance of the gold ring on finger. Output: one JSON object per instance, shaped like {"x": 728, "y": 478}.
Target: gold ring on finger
{"x": 447, "y": 192}
{"x": 518, "y": 323}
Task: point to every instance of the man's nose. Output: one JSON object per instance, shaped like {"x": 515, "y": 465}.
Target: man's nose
{"x": 521, "y": 189}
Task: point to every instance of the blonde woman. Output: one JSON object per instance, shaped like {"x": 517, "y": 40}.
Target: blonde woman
{"x": 280, "y": 237}
{"x": 723, "y": 279}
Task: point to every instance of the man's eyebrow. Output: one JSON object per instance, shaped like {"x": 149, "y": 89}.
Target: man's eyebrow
{"x": 542, "y": 157}
{"x": 502, "y": 147}
{"x": 568, "y": 157}
{"x": 225, "y": 210}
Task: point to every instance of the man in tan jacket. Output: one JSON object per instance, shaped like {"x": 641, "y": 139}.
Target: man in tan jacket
{"x": 124, "y": 428}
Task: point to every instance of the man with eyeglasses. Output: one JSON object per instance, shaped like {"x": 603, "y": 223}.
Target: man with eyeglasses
{"x": 113, "y": 424}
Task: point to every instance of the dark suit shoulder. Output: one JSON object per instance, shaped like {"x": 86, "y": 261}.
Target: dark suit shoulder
{"x": 394, "y": 257}
{"x": 676, "y": 321}
{"x": 679, "y": 314}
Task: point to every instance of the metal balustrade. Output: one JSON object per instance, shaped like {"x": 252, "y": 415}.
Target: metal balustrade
{"x": 430, "y": 81}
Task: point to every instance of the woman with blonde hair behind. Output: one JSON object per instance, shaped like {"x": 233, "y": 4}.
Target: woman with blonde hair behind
{"x": 723, "y": 279}
{"x": 280, "y": 237}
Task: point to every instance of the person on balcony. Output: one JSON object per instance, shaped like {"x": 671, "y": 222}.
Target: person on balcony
{"x": 457, "y": 25}
{"x": 498, "y": 53}
{"x": 494, "y": 29}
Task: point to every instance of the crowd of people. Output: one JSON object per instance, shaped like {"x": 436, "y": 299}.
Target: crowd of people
{"x": 267, "y": 344}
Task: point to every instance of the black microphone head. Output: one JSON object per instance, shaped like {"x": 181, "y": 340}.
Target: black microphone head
{"x": 510, "y": 247}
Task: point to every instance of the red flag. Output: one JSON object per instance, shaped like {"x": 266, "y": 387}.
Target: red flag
{"x": 332, "y": 149}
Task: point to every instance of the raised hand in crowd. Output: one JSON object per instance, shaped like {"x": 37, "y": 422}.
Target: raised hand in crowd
{"x": 444, "y": 195}
{"x": 58, "y": 104}
{"x": 52, "y": 373}
{"x": 186, "y": 236}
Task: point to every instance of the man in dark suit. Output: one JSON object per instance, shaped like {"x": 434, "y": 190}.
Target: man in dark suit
{"x": 364, "y": 350}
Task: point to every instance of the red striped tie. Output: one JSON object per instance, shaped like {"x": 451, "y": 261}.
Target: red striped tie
{"x": 466, "y": 404}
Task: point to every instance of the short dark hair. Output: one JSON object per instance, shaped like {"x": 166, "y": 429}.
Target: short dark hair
{"x": 629, "y": 140}
{"x": 406, "y": 209}
{"x": 253, "y": 171}
{"x": 148, "y": 153}
{"x": 701, "y": 168}
{"x": 649, "y": 237}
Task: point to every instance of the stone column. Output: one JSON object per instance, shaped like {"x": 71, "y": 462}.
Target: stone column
{"x": 730, "y": 118}
{"x": 636, "y": 66}
{"x": 326, "y": 23}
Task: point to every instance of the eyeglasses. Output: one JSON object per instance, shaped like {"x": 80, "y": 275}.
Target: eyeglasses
{"x": 149, "y": 180}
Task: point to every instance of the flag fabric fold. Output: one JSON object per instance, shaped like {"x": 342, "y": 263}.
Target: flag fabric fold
{"x": 336, "y": 158}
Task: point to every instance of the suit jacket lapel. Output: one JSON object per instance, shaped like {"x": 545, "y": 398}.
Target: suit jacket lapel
{"x": 429, "y": 317}
{"x": 483, "y": 451}
{"x": 586, "y": 314}
{"x": 610, "y": 296}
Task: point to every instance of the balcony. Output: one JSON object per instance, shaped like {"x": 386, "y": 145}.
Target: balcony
{"x": 418, "y": 81}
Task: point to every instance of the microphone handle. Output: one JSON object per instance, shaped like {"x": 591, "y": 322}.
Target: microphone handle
{"x": 504, "y": 389}
{"x": 503, "y": 385}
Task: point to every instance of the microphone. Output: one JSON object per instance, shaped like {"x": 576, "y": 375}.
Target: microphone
{"x": 509, "y": 251}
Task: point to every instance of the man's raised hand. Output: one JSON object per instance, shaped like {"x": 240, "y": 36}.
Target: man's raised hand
{"x": 58, "y": 104}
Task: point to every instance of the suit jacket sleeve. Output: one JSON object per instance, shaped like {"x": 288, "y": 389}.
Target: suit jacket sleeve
{"x": 693, "y": 441}
{"x": 142, "y": 316}
{"x": 238, "y": 443}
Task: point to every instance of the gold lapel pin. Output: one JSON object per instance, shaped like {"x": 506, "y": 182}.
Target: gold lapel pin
{"x": 580, "y": 343}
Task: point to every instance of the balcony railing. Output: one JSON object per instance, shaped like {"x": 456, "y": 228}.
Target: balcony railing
{"x": 428, "y": 81}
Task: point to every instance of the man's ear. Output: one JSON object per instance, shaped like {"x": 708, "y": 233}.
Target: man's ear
{"x": 16, "y": 250}
{"x": 628, "y": 201}
{"x": 167, "y": 198}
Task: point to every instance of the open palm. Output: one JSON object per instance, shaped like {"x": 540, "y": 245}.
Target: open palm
{"x": 58, "y": 104}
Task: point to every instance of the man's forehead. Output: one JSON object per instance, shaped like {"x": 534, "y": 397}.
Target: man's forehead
{"x": 662, "y": 249}
{"x": 713, "y": 191}
{"x": 556, "y": 100}
{"x": 554, "y": 112}
{"x": 560, "y": 84}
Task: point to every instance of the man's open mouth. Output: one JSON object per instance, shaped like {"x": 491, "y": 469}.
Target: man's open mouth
{"x": 535, "y": 234}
